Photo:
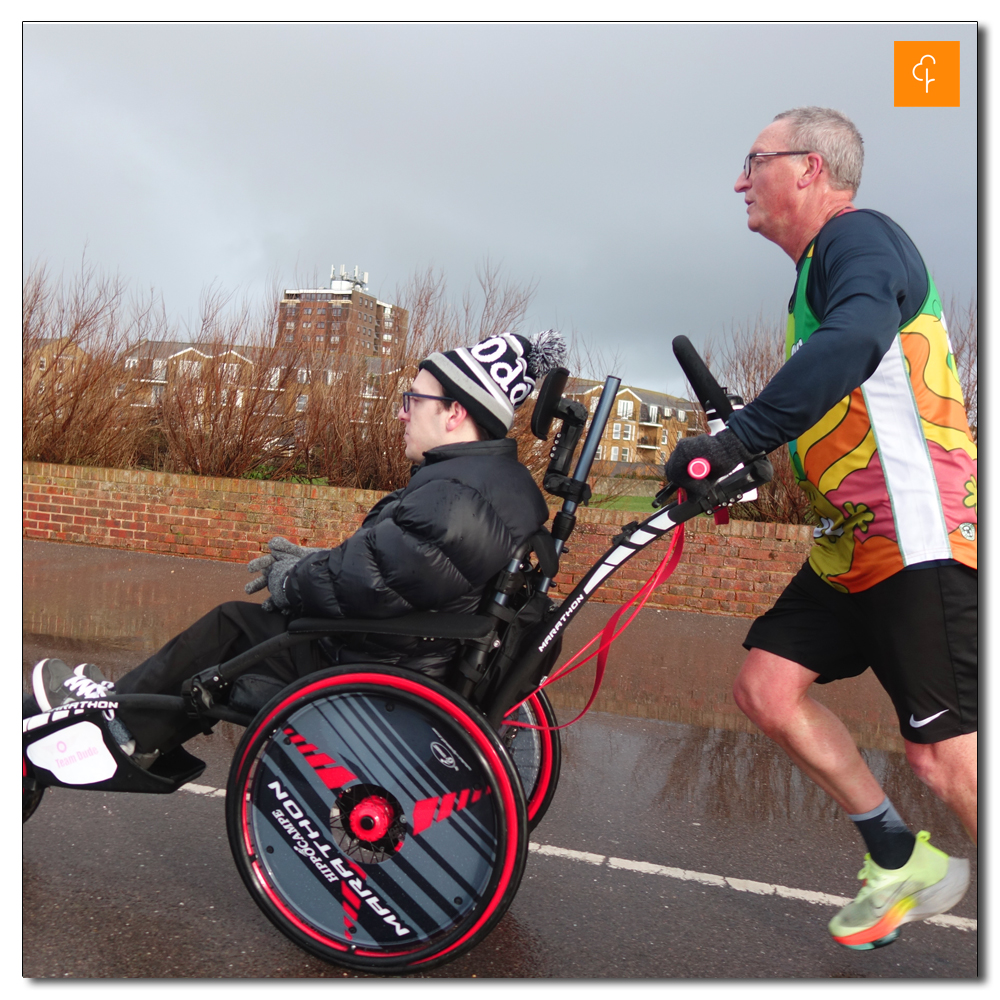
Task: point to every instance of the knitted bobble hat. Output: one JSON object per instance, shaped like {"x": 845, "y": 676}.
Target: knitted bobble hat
{"x": 492, "y": 378}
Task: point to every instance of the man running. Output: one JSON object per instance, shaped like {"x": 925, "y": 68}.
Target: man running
{"x": 870, "y": 404}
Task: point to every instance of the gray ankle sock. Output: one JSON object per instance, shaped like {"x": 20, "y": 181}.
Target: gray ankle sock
{"x": 888, "y": 838}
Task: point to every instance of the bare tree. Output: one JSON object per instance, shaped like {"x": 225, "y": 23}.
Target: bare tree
{"x": 77, "y": 406}
{"x": 226, "y": 409}
{"x": 748, "y": 359}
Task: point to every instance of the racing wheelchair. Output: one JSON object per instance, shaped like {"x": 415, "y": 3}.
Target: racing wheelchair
{"x": 380, "y": 818}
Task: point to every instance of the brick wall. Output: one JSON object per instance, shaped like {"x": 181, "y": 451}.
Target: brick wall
{"x": 734, "y": 569}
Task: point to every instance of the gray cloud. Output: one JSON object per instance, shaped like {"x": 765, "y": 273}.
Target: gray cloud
{"x": 596, "y": 160}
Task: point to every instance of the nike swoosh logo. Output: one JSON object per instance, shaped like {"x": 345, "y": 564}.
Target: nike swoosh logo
{"x": 923, "y": 722}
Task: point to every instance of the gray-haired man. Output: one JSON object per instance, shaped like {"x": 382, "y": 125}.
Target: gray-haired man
{"x": 870, "y": 404}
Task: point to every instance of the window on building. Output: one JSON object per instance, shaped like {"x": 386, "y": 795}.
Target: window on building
{"x": 302, "y": 376}
{"x": 335, "y": 339}
{"x": 186, "y": 368}
{"x": 321, "y": 326}
{"x": 230, "y": 372}
{"x": 387, "y": 337}
{"x": 273, "y": 378}
{"x": 129, "y": 363}
{"x": 300, "y": 403}
{"x": 666, "y": 412}
{"x": 308, "y": 312}
{"x": 654, "y": 413}
{"x": 41, "y": 364}
{"x": 306, "y": 326}
{"x": 290, "y": 326}
{"x": 682, "y": 415}
{"x": 625, "y": 408}
{"x": 627, "y": 432}
{"x": 320, "y": 312}
{"x": 289, "y": 338}
{"x": 624, "y": 454}
{"x": 600, "y": 453}
{"x": 663, "y": 438}
{"x": 320, "y": 339}
{"x": 593, "y": 404}
{"x": 616, "y": 431}
{"x": 614, "y": 454}
{"x": 159, "y": 369}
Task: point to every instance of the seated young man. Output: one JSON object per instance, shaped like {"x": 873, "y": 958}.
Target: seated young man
{"x": 433, "y": 545}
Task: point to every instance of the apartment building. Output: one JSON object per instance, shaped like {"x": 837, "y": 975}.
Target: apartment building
{"x": 643, "y": 428}
{"x": 344, "y": 318}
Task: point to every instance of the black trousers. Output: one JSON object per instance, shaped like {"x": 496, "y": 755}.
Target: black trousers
{"x": 223, "y": 633}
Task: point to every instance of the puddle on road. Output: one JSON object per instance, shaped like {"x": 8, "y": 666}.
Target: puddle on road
{"x": 116, "y": 608}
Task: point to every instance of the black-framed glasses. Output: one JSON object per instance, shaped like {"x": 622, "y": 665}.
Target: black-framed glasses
{"x": 407, "y": 396}
{"x": 748, "y": 162}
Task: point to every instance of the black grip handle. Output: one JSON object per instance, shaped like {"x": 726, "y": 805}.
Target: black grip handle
{"x": 710, "y": 394}
{"x": 549, "y": 397}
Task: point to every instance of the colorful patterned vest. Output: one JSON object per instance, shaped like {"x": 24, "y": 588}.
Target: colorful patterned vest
{"x": 891, "y": 469}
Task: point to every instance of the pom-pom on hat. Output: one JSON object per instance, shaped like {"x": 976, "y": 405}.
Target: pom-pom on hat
{"x": 492, "y": 378}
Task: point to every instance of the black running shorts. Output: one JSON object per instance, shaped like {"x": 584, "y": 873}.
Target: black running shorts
{"x": 918, "y": 631}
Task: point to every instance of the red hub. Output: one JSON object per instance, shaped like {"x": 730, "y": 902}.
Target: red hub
{"x": 371, "y": 817}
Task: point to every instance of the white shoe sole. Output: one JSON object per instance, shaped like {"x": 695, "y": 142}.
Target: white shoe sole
{"x": 943, "y": 895}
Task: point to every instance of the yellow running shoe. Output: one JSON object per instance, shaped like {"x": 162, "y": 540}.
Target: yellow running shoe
{"x": 929, "y": 883}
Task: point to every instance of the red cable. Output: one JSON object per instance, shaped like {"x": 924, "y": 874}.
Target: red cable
{"x": 662, "y": 572}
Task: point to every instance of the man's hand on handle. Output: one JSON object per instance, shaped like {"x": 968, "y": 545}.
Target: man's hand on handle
{"x": 686, "y": 467}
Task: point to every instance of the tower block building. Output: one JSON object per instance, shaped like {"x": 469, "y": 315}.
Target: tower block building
{"x": 345, "y": 317}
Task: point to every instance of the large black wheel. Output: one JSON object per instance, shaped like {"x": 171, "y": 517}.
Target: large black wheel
{"x": 536, "y": 753}
{"x": 376, "y": 819}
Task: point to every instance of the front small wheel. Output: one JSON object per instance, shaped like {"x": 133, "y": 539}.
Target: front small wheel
{"x": 376, "y": 819}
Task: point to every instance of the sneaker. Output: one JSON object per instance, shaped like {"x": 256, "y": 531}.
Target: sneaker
{"x": 929, "y": 883}
{"x": 93, "y": 684}
{"x": 47, "y": 680}
{"x": 54, "y": 685}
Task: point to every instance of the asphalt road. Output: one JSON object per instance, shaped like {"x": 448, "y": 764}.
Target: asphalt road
{"x": 680, "y": 844}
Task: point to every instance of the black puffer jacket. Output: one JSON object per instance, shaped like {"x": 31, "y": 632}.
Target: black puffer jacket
{"x": 432, "y": 545}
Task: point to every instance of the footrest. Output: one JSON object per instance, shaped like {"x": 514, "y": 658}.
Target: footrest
{"x": 72, "y": 748}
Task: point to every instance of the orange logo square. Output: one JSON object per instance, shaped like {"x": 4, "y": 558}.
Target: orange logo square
{"x": 925, "y": 75}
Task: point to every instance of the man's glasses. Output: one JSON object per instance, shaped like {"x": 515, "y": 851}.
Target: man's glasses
{"x": 748, "y": 162}
{"x": 408, "y": 396}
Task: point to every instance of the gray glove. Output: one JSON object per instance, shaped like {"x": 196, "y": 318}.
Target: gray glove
{"x": 274, "y": 569}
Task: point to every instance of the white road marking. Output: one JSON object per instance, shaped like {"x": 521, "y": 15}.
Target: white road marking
{"x": 706, "y": 878}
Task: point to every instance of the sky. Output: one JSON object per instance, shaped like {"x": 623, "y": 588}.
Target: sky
{"x": 595, "y": 161}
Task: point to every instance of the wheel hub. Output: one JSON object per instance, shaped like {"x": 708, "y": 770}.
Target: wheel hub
{"x": 366, "y": 822}
{"x": 371, "y": 817}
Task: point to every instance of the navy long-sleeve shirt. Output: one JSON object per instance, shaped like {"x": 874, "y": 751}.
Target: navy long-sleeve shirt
{"x": 867, "y": 280}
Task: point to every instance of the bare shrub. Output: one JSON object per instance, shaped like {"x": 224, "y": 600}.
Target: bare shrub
{"x": 77, "y": 407}
{"x": 748, "y": 359}
{"x": 228, "y": 407}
